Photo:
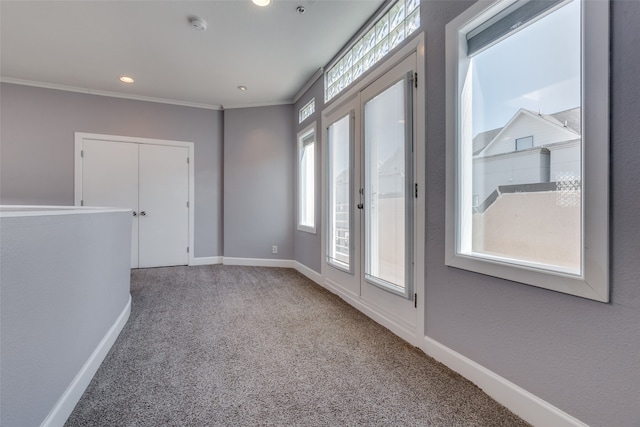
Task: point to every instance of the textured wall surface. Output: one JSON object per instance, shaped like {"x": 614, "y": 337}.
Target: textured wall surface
{"x": 258, "y": 182}
{"x": 65, "y": 281}
{"x": 307, "y": 245}
{"x": 579, "y": 355}
{"x": 37, "y": 143}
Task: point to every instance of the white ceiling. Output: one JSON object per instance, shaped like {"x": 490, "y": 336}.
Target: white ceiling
{"x": 87, "y": 45}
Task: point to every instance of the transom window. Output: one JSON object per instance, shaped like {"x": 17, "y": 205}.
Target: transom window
{"x": 306, "y": 111}
{"x": 394, "y": 25}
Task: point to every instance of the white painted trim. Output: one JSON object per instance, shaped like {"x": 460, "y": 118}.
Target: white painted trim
{"x": 307, "y": 272}
{"x": 258, "y": 104}
{"x": 208, "y": 260}
{"x": 81, "y": 136}
{"x": 8, "y": 211}
{"x": 87, "y": 91}
{"x": 258, "y": 262}
{"x": 526, "y": 405}
{"x": 63, "y": 408}
{"x": 319, "y": 73}
{"x": 374, "y": 313}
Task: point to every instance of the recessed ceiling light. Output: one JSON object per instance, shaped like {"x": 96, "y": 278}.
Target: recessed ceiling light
{"x": 261, "y": 3}
{"x": 126, "y": 79}
{"x": 242, "y": 88}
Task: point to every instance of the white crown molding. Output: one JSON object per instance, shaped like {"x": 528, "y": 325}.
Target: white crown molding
{"x": 257, "y": 104}
{"x": 107, "y": 93}
{"x": 307, "y": 85}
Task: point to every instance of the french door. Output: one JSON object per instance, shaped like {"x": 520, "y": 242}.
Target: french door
{"x": 369, "y": 196}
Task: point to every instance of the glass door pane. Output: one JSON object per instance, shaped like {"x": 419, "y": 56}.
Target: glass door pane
{"x": 339, "y": 244}
{"x": 387, "y": 166}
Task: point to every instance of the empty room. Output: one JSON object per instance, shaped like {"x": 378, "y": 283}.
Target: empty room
{"x": 319, "y": 213}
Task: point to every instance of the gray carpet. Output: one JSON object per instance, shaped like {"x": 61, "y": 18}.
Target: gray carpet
{"x": 236, "y": 346}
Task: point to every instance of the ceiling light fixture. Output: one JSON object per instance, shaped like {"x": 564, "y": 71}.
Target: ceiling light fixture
{"x": 197, "y": 23}
{"x": 126, "y": 79}
{"x": 242, "y": 88}
{"x": 261, "y": 3}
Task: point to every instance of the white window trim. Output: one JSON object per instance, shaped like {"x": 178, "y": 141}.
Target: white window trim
{"x": 301, "y": 135}
{"x": 593, "y": 283}
{"x": 361, "y": 36}
{"x": 307, "y": 110}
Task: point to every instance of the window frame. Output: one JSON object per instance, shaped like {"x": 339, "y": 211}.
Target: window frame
{"x": 593, "y": 280}
{"x": 302, "y": 135}
{"x": 347, "y": 268}
{"x": 307, "y": 110}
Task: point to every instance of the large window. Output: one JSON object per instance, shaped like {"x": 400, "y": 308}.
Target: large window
{"x": 527, "y": 143}
{"x": 306, "y": 179}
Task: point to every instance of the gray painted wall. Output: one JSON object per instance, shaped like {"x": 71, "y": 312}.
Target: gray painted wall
{"x": 581, "y": 356}
{"x": 307, "y": 246}
{"x": 258, "y": 182}
{"x": 65, "y": 280}
{"x": 37, "y": 137}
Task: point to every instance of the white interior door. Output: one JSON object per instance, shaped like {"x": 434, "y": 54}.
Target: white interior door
{"x": 110, "y": 179}
{"x": 163, "y": 203}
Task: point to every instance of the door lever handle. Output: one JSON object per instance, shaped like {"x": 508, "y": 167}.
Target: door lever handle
{"x": 135, "y": 213}
{"x": 143, "y": 213}
{"x": 360, "y": 205}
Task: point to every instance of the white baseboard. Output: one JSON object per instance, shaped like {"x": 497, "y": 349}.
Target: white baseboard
{"x": 526, "y": 405}
{"x": 209, "y": 260}
{"x": 309, "y": 273}
{"x": 63, "y": 408}
{"x": 258, "y": 262}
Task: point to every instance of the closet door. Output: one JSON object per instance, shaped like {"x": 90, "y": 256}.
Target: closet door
{"x": 163, "y": 202}
{"x": 110, "y": 179}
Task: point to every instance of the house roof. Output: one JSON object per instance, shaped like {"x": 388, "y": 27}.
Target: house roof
{"x": 570, "y": 119}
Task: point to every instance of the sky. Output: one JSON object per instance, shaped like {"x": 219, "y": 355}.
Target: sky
{"x": 537, "y": 68}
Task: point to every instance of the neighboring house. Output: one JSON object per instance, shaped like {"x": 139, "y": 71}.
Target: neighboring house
{"x": 531, "y": 148}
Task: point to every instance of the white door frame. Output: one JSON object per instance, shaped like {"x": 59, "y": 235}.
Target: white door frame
{"x": 413, "y": 336}
{"x": 77, "y": 156}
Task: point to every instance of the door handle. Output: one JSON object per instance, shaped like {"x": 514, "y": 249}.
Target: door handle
{"x": 135, "y": 213}
{"x": 360, "y": 205}
{"x": 143, "y": 213}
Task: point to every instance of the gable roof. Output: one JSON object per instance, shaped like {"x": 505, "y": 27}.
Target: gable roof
{"x": 569, "y": 120}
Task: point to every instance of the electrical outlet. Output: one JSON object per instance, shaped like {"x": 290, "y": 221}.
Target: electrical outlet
{"x": 274, "y": 249}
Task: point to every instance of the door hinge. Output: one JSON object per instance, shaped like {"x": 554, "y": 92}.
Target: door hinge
{"x": 187, "y": 204}
{"x": 187, "y": 249}
{"x": 416, "y": 190}
{"x": 187, "y": 160}
{"x": 415, "y": 79}
{"x": 81, "y": 202}
{"x": 415, "y": 300}
{"x": 81, "y": 153}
